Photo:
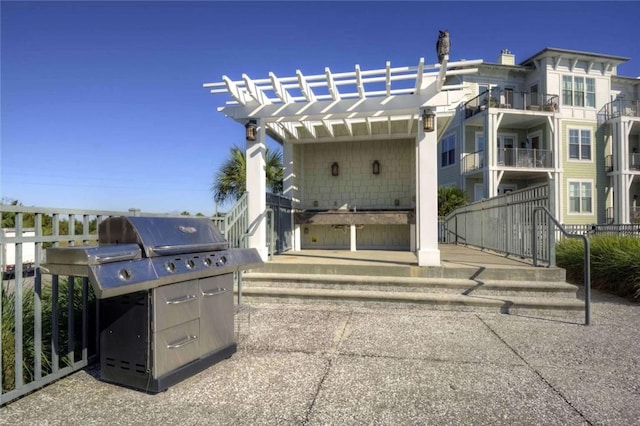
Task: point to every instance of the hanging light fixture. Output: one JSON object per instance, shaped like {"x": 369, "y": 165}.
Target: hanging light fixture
{"x": 428, "y": 120}
{"x": 251, "y": 128}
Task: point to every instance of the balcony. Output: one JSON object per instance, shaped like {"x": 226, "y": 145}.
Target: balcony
{"x": 519, "y": 158}
{"x": 634, "y": 215}
{"x": 510, "y": 99}
{"x": 619, "y": 108}
{"x": 634, "y": 162}
{"x": 473, "y": 161}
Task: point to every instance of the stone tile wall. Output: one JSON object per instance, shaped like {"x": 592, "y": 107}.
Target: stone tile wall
{"x": 356, "y": 185}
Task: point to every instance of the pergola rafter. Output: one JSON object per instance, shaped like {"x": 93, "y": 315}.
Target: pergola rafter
{"x": 360, "y": 96}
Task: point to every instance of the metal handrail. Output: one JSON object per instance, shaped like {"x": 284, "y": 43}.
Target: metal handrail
{"x": 249, "y": 233}
{"x": 587, "y": 256}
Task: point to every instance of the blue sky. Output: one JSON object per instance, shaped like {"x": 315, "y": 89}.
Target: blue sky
{"x": 102, "y": 104}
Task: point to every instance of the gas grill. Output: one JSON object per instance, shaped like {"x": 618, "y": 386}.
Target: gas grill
{"x": 166, "y": 296}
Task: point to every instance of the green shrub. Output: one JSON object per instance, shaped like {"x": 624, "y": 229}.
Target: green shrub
{"x": 28, "y": 330}
{"x": 615, "y": 263}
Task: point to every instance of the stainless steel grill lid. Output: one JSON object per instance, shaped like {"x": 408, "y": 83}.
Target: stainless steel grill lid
{"x": 139, "y": 253}
{"x": 161, "y": 236}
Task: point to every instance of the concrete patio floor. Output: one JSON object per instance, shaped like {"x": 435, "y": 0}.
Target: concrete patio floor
{"x": 451, "y": 256}
{"x": 327, "y": 364}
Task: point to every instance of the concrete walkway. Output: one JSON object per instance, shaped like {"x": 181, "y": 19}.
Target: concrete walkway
{"x": 324, "y": 364}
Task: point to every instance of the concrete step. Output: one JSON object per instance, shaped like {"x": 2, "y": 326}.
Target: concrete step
{"x": 459, "y": 286}
{"x": 495, "y": 272}
{"x": 503, "y": 304}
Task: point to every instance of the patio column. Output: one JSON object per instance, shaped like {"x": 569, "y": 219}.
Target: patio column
{"x": 427, "y": 197}
{"x": 290, "y": 187}
{"x": 256, "y": 182}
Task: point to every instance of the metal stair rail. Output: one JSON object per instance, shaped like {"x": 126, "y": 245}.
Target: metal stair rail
{"x": 235, "y": 223}
{"x": 551, "y": 250}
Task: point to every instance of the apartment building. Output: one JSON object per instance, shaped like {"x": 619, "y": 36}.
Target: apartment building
{"x": 561, "y": 116}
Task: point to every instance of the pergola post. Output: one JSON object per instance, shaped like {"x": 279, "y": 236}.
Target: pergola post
{"x": 427, "y": 197}
{"x": 256, "y": 184}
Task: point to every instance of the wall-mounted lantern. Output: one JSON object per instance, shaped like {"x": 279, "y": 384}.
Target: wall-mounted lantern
{"x": 375, "y": 167}
{"x": 251, "y": 128}
{"x": 428, "y": 120}
{"x": 335, "y": 169}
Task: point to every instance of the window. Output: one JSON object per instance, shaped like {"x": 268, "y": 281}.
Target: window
{"x": 534, "y": 95}
{"x": 578, "y": 91}
{"x": 448, "y": 151}
{"x": 479, "y": 141}
{"x": 580, "y": 198}
{"x": 508, "y": 98}
{"x": 580, "y": 144}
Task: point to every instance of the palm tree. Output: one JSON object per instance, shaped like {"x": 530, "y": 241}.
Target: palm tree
{"x": 230, "y": 180}
{"x": 449, "y": 199}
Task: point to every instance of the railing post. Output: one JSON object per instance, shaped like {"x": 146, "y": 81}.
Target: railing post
{"x": 587, "y": 281}
{"x": 587, "y": 259}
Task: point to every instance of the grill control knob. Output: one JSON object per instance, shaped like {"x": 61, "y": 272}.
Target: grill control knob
{"x": 222, "y": 260}
{"x": 124, "y": 274}
{"x": 207, "y": 262}
{"x": 190, "y": 264}
{"x": 170, "y": 266}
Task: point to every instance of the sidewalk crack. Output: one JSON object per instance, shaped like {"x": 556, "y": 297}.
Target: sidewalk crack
{"x": 332, "y": 354}
{"x": 536, "y": 372}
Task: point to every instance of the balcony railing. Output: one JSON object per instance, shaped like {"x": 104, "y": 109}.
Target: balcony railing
{"x": 634, "y": 216}
{"x": 522, "y": 158}
{"x": 473, "y": 161}
{"x": 619, "y": 108}
{"x": 525, "y": 158}
{"x": 634, "y": 162}
{"x": 510, "y": 99}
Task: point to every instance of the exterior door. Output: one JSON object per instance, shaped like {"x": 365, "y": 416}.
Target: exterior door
{"x": 505, "y": 150}
{"x": 478, "y": 191}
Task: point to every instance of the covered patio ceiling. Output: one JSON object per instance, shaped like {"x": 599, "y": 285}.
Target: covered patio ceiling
{"x": 360, "y": 104}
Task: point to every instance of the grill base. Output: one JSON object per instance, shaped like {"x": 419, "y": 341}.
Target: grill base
{"x": 134, "y": 350}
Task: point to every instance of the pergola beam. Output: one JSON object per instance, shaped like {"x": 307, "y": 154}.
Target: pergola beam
{"x": 331, "y": 84}
{"x": 305, "y": 89}
{"x": 279, "y": 90}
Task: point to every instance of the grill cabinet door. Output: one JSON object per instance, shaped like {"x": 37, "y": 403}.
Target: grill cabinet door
{"x": 216, "y": 313}
{"x": 175, "y": 304}
{"x": 175, "y": 347}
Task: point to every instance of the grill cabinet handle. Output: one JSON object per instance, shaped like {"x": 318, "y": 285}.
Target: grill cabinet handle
{"x": 187, "y": 298}
{"x": 186, "y": 341}
{"x": 116, "y": 258}
{"x": 188, "y": 248}
{"x": 214, "y": 292}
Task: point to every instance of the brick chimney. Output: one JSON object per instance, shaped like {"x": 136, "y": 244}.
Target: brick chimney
{"x": 506, "y": 57}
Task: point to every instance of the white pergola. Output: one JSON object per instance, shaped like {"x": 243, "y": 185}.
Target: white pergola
{"x": 348, "y": 106}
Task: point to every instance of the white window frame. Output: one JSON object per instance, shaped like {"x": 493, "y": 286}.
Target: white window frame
{"x": 574, "y": 94}
{"x": 591, "y": 144}
{"x": 447, "y": 139}
{"x": 580, "y": 182}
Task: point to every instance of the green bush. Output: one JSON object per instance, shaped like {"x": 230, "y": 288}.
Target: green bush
{"x": 615, "y": 263}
